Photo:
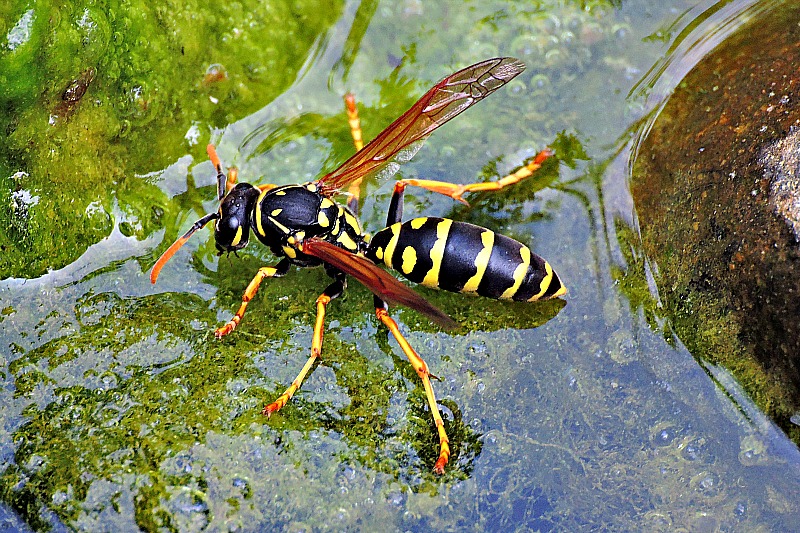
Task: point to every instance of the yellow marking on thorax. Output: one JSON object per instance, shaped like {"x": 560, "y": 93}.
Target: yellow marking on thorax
{"x": 437, "y": 253}
{"x": 322, "y": 219}
{"x": 379, "y": 253}
{"x": 325, "y": 203}
{"x": 352, "y": 221}
{"x": 259, "y": 226}
{"x": 347, "y": 241}
{"x": 336, "y": 224}
{"x": 290, "y": 252}
{"x": 281, "y": 227}
{"x": 481, "y": 261}
{"x": 409, "y": 260}
{"x": 390, "y": 246}
{"x": 545, "y": 283}
{"x": 276, "y": 212}
{"x": 418, "y": 222}
{"x": 519, "y": 273}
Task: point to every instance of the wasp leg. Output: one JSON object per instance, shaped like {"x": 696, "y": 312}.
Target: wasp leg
{"x": 265, "y": 272}
{"x": 353, "y": 120}
{"x": 358, "y": 141}
{"x": 456, "y": 190}
{"x": 424, "y": 374}
{"x": 332, "y": 291}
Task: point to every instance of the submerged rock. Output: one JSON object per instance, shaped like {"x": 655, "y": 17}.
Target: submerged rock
{"x": 717, "y": 193}
{"x": 781, "y": 162}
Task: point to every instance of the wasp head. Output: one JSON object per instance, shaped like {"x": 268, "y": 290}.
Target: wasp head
{"x": 232, "y": 227}
{"x": 232, "y": 230}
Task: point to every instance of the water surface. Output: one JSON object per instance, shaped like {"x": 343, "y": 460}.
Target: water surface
{"x": 120, "y": 410}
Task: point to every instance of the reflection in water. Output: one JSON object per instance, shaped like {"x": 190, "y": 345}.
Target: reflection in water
{"x": 139, "y": 382}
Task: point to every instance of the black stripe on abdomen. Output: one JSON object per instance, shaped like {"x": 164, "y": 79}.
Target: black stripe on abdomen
{"x": 412, "y": 253}
{"x": 503, "y": 262}
{"x": 464, "y": 245}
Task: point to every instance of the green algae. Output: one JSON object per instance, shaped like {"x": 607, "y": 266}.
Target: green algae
{"x": 160, "y": 72}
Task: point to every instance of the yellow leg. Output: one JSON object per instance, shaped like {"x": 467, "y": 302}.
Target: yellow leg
{"x": 422, "y": 371}
{"x": 353, "y": 120}
{"x": 455, "y": 190}
{"x": 358, "y": 142}
{"x": 316, "y": 349}
{"x": 265, "y": 272}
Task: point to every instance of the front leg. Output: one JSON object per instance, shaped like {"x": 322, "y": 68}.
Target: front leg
{"x": 265, "y": 272}
{"x": 355, "y": 131}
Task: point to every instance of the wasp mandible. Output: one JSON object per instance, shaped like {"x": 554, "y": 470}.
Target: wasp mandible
{"x": 305, "y": 226}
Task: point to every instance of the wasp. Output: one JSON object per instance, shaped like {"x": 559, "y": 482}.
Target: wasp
{"x": 305, "y": 226}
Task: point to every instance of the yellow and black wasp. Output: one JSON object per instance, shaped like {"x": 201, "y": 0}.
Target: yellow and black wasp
{"x": 305, "y": 226}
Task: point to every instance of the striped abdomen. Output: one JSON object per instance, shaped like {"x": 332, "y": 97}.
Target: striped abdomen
{"x": 461, "y": 257}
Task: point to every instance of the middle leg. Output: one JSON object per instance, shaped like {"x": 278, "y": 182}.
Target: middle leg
{"x": 332, "y": 291}
{"x": 424, "y": 374}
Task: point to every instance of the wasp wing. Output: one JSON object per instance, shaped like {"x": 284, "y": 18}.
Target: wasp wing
{"x": 443, "y": 101}
{"x": 377, "y": 280}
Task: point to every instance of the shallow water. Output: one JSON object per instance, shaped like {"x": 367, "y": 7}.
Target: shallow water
{"x": 122, "y": 411}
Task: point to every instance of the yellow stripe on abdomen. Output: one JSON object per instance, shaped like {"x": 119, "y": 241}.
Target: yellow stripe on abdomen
{"x": 519, "y": 273}
{"x": 545, "y": 283}
{"x": 388, "y": 252}
{"x": 437, "y": 253}
{"x": 481, "y": 261}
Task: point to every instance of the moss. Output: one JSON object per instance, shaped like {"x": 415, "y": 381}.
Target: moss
{"x": 153, "y": 77}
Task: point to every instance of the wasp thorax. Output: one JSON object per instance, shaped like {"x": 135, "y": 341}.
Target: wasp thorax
{"x": 232, "y": 230}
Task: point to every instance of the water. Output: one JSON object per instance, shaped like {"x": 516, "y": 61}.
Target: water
{"x": 121, "y": 410}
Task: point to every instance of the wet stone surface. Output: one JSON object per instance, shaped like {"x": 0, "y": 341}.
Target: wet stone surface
{"x": 716, "y": 191}
{"x": 781, "y": 162}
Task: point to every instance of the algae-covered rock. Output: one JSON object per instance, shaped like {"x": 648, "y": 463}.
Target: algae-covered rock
{"x": 715, "y": 187}
{"x": 97, "y": 95}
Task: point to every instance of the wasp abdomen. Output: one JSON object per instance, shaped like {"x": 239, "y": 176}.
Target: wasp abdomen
{"x": 462, "y": 257}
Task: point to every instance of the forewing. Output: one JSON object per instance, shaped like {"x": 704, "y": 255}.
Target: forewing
{"x": 377, "y": 280}
{"x": 443, "y": 101}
